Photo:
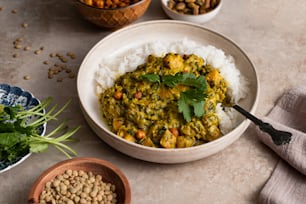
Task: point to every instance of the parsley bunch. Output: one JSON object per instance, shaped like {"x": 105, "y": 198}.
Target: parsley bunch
{"x": 191, "y": 101}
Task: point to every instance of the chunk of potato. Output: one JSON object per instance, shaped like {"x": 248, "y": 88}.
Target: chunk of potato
{"x": 184, "y": 141}
{"x": 168, "y": 140}
{"x": 174, "y": 62}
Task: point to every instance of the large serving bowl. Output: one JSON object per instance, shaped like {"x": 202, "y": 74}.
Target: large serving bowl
{"x": 112, "y": 18}
{"x": 12, "y": 96}
{"x": 163, "y": 30}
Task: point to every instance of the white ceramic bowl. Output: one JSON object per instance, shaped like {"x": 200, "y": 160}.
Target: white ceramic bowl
{"x": 164, "y": 30}
{"x": 201, "y": 18}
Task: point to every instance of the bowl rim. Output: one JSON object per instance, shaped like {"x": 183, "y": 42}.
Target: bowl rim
{"x": 216, "y": 9}
{"x": 78, "y": 160}
{"x": 211, "y": 144}
{"x": 113, "y": 9}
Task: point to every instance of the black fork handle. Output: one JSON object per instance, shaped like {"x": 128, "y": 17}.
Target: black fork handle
{"x": 279, "y": 137}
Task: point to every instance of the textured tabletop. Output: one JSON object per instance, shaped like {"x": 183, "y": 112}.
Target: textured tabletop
{"x": 272, "y": 33}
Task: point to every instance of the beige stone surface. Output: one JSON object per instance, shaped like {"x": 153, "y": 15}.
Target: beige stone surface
{"x": 272, "y": 33}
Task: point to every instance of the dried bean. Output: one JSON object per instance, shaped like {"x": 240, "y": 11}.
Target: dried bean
{"x": 192, "y": 7}
{"x": 60, "y": 190}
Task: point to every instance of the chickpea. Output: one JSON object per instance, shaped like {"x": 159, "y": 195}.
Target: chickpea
{"x": 88, "y": 2}
{"x": 180, "y": 6}
{"x": 174, "y": 131}
{"x": 137, "y": 95}
{"x": 100, "y": 3}
{"x": 140, "y": 134}
{"x": 118, "y": 95}
{"x": 109, "y": 3}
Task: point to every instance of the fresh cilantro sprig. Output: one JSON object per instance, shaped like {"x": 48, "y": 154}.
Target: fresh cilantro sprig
{"x": 19, "y": 135}
{"x": 191, "y": 101}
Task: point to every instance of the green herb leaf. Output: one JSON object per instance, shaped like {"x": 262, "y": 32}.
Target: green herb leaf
{"x": 172, "y": 80}
{"x": 198, "y": 108}
{"x": 151, "y": 78}
{"x": 191, "y": 99}
{"x": 38, "y": 147}
{"x": 8, "y": 140}
{"x": 184, "y": 108}
{"x": 197, "y": 82}
{"x": 12, "y": 111}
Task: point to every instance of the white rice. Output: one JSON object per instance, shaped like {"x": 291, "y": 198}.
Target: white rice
{"x": 111, "y": 68}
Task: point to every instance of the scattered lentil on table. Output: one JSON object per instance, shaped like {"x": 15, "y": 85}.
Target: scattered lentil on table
{"x": 25, "y": 25}
{"x": 27, "y": 77}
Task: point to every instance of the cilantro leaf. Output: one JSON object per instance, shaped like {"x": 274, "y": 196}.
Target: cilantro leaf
{"x": 38, "y": 147}
{"x": 184, "y": 107}
{"x": 19, "y": 137}
{"x": 198, "y": 108}
{"x": 151, "y": 78}
{"x": 172, "y": 80}
{"x": 191, "y": 80}
{"x": 191, "y": 98}
{"x": 195, "y": 95}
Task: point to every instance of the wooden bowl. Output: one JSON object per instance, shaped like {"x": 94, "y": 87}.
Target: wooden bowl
{"x": 109, "y": 173}
{"x": 113, "y": 18}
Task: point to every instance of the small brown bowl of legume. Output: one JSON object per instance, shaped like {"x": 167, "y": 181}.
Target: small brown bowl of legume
{"x": 81, "y": 180}
{"x": 112, "y": 14}
{"x": 196, "y": 11}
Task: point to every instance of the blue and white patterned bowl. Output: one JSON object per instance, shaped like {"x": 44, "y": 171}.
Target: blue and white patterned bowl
{"x": 11, "y": 96}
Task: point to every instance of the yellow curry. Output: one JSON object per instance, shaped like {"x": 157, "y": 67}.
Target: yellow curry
{"x": 168, "y": 102}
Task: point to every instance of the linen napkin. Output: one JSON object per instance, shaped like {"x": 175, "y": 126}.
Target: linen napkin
{"x": 287, "y": 184}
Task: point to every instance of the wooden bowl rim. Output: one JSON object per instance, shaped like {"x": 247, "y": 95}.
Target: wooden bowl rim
{"x": 80, "y": 160}
{"x": 113, "y": 9}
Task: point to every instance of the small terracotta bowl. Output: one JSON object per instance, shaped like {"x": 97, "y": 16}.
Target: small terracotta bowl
{"x": 113, "y": 18}
{"x": 109, "y": 173}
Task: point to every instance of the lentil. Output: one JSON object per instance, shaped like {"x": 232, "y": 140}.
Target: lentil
{"x": 37, "y": 52}
{"x": 17, "y": 46}
{"x": 71, "y": 75}
{"x": 73, "y": 187}
{"x": 19, "y": 40}
{"x": 52, "y": 54}
{"x": 25, "y": 25}
{"x": 26, "y": 77}
{"x": 26, "y": 48}
{"x": 14, "y": 11}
